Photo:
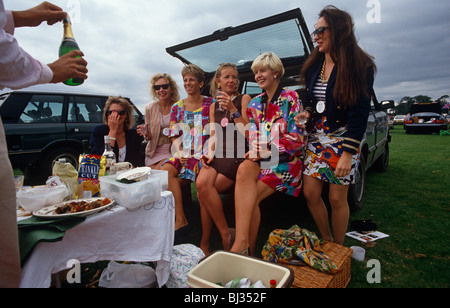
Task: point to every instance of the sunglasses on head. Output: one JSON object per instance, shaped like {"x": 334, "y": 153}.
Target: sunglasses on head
{"x": 121, "y": 112}
{"x": 319, "y": 32}
{"x": 164, "y": 86}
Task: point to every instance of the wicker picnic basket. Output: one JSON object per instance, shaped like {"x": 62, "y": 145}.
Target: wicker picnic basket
{"x": 307, "y": 277}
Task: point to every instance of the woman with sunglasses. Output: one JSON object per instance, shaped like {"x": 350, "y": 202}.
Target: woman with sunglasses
{"x": 275, "y": 160}
{"x": 188, "y": 119}
{"x": 118, "y": 123}
{"x": 338, "y": 77}
{"x": 157, "y": 118}
{"x": 228, "y": 116}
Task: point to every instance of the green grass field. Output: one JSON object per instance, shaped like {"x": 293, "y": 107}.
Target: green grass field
{"x": 410, "y": 202}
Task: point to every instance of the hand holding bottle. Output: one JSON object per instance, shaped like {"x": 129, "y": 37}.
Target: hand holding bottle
{"x": 259, "y": 150}
{"x": 70, "y": 65}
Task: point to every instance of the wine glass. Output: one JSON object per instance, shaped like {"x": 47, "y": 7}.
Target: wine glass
{"x": 218, "y": 94}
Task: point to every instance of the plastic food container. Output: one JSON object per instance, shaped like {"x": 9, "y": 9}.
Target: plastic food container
{"x": 35, "y": 198}
{"x": 222, "y": 267}
{"x": 163, "y": 177}
{"x": 131, "y": 195}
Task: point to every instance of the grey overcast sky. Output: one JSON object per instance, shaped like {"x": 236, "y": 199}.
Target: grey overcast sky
{"x": 125, "y": 41}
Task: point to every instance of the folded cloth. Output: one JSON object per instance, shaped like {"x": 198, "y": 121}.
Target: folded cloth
{"x": 297, "y": 247}
{"x": 35, "y": 230}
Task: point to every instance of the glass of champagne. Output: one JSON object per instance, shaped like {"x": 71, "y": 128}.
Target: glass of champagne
{"x": 218, "y": 95}
{"x": 302, "y": 118}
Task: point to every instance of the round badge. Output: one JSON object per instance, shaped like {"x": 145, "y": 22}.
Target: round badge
{"x": 224, "y": 122}
{"x": 320, "y": 107}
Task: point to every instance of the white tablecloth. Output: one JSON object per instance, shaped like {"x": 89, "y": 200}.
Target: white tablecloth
{"x": 119, "y": 234}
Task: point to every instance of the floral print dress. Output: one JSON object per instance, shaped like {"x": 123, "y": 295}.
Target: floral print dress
{"x": 189, "y": 126}
{"x": 274, "y": 122}
{"x": 325, "y": 148}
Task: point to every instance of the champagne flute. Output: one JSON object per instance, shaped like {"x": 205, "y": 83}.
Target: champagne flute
{"x": 218, "y": 94}
{"x": 301, "y": 118}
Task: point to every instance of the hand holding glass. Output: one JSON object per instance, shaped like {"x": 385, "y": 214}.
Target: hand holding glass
{"x": 302, "y": 118}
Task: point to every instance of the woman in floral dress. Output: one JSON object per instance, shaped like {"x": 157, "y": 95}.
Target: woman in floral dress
{"x": 187, "y": 120}
{"x": 275, "y": 160}
{"x": 339, "y": 79}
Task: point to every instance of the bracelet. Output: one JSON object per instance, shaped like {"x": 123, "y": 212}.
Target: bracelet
{"x": 236, "y": 115}
{"x": 112, "y": 138}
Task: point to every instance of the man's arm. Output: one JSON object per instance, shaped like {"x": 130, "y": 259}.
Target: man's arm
{"x": 18, "y": 69}
{"x": 35, "y": 16}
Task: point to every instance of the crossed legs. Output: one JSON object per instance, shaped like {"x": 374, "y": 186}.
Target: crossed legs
{"x": 210, "y": 185}
{"x": 249, "y": 193}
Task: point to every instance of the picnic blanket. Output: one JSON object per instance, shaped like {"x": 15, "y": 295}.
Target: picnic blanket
{"x": 299, "y": 247}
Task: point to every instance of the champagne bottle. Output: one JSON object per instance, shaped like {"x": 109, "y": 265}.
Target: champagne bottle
{"x": 67, "y": 45}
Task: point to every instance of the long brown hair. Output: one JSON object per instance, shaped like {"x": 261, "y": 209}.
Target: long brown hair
{"x": 352, "y": 63}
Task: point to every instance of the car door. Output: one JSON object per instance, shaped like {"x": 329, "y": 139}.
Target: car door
{"x": 371, "y": 133}
{"x": 381, "y": 131}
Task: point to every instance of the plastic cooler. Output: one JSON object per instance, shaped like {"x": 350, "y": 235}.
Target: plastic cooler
{"x": 133, "y": 195}
{"x": 222, "y": 267}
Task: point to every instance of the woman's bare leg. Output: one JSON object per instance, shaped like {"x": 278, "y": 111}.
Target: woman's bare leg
{"x": 245, "y": 200}
{"x": 175, "y": 188}
{"x": 312, "y": 190}
{"x": 340, "y": 211}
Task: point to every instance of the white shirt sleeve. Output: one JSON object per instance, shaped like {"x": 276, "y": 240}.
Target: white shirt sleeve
{"x": 17, "y": 68}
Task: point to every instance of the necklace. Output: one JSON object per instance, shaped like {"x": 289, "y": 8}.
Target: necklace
{"x": 322, "y": 73}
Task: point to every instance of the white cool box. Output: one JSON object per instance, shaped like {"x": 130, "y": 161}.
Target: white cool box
{"x": 136, "y": 194}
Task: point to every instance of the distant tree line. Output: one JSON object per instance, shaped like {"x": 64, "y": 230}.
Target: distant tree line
{"x": 407, "y": 101}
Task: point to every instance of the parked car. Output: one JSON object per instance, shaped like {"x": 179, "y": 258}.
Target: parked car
{"x": 398, "y": 119}
{"x": 242, "y": 44}
{"x": 42, "y": 127}
{"x": 425, "y": 118}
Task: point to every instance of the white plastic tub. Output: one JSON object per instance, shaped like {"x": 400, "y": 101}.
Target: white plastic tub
{"x": 131, "y": 195}
{"x": 222, "y": 267}
{"x": 163, "y": 178}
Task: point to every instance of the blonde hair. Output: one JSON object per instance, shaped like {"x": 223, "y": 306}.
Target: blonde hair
{"x": 129, "y": 121}
{"x": 269, "y": 60}
{"x": 214, "y": 86}
{"x": 173, "y": 86}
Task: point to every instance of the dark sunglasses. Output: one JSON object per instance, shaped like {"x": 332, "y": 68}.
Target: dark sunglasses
{"x": 121, "y": 112}
{"x": 319, "y": 32}
{"x": 164, "y": 86}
